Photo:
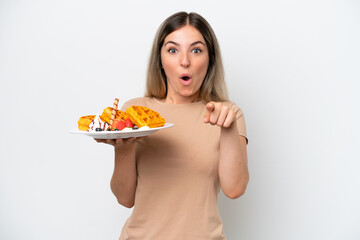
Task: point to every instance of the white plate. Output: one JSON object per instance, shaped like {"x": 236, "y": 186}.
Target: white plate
{"x": 120, "y": 134}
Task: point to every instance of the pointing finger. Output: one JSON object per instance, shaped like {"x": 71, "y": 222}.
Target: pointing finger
{"x": 214, "y": 115}
{"x": 210, "y": 107}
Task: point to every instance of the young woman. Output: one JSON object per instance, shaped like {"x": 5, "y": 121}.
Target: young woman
{"x": 173, "y": 177}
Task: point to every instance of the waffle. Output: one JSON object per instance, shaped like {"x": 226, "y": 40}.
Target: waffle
{"x": 106, "y": 115}
{"x": 143, "y": 116}
{"x": 85, "y": 121}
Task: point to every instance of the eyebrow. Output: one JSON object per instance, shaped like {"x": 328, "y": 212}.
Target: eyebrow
{"x": 175, "y": 43}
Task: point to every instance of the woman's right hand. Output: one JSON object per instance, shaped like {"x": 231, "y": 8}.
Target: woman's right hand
{"x": 124, "y": 179}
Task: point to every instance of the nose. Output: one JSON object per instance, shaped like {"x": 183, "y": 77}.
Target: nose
{"x": 184, "y": 60}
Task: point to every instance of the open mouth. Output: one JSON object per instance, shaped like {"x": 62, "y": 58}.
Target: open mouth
{"x": 185, "y": 77}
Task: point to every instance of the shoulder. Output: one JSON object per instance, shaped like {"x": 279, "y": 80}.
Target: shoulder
{"x": 240, "y": 119}
{"x": 233, "y": 106}
{"x": 139, "y": 101}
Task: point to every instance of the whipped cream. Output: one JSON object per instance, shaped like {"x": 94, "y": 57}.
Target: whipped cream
{"x": 97, "y": 123}
{"x": 127, "y": 129}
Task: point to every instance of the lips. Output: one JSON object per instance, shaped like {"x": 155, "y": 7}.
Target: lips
{"x": 185, "y": 78}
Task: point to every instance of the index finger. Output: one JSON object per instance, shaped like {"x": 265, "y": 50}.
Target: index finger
{"x": 210, "y": 107}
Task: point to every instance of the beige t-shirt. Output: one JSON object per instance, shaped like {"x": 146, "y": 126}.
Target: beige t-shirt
{"x": 178, "y": 182}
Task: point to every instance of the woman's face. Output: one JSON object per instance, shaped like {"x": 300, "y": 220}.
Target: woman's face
{"x": 185, "y": 60}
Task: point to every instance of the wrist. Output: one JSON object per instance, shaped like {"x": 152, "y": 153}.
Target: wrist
{"x": 124, "y": 148}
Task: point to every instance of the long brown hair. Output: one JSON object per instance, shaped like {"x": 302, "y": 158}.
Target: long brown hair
{"x": 213, "y": 87}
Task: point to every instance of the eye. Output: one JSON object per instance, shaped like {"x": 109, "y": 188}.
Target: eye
{"x": 196, "y": 50}
{"x": 172, "y": 50}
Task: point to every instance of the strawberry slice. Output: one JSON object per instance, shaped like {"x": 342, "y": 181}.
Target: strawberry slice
{"x": 118, "y": 124}
{"x": 128, "y": 123}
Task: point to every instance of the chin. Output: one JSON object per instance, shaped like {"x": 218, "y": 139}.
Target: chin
{"x": 188, "y": 95}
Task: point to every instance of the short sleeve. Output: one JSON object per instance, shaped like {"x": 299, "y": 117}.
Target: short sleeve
{"x": 240, "y": 120}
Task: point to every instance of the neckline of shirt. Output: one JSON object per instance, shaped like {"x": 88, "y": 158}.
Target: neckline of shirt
{"x": 177, "y": 105}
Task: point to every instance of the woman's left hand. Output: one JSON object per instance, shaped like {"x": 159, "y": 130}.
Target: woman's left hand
{"x": 219, "y": 114}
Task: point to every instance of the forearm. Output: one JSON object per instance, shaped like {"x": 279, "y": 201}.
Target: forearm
{"x": 233, "y": 166}
{"x": 124, "y": 179}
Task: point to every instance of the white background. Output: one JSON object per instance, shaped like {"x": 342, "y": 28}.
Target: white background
{"x": 292, "y": 66}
